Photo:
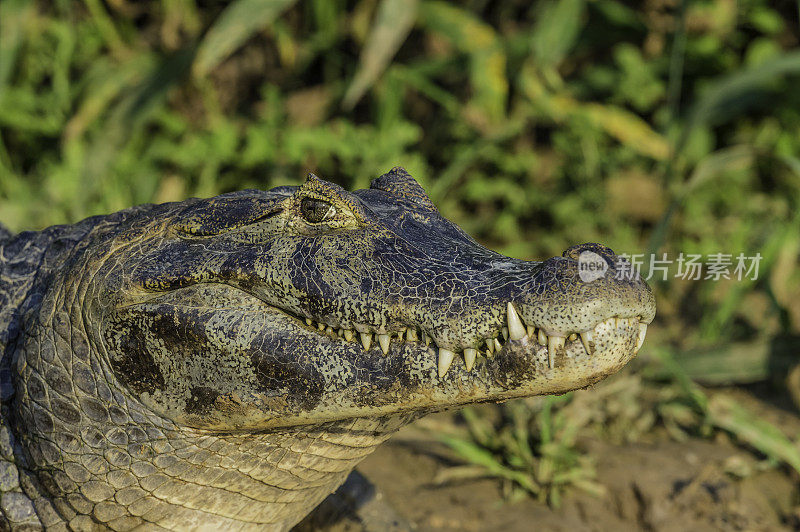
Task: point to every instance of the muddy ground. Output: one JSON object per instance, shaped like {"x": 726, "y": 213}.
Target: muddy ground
{"x": 659, "y": 485}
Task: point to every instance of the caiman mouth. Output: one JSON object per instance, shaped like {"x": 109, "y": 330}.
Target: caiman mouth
{"x": 548, "y": 346}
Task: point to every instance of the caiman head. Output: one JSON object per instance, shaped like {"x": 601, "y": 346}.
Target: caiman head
{"x": 259, "y": 310}
{"x": 224, "y": 363}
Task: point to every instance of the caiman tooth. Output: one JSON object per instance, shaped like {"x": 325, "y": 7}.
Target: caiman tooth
{"x": 516, "y": 329}
{"x": 321, "y": 326}
{"x": 329, "y": 330}
{"x": 411, "y": 335}
{"x": 573, "y": 337}
{"x": 348, "y": 335}
{"x": 366, "y": 340}
{"x": 445, "y": 359}
{"x": 469, "y": 357}
{"x": 504, "y": 330}
{"x": 426, "y": 339}
{"x": 542, "y": 338}
{"x": 497, "y": 345}
{"x": 383, "y": 339}
{"x": 586, "y": 340}
{"x": 554, "y": 344}
{"x": 531, "y": 331}
{"x": 640, "y": 338}
{"x": 490, "y": 345}
{"x": 309, "y": 321}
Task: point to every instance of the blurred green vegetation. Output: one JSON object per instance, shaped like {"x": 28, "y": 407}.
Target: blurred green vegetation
{"x": 662, "y": 126}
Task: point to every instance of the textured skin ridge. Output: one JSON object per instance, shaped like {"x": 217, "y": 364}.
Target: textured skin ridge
{"x": 158, "y": 371}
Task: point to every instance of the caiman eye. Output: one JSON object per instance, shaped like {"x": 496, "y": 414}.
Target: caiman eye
{"x": 316, "y": 211}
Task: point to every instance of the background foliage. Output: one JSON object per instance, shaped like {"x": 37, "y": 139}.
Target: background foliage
{"x": 658, "y": 126}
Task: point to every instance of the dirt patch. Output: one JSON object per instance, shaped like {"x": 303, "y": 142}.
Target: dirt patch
{"x": 660, "y": 486}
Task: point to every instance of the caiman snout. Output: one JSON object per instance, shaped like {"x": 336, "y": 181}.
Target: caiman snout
{"x": 574, "y": 300}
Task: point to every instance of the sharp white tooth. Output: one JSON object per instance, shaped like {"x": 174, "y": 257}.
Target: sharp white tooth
{"x": 411, "y": 334}
{"x": 542, "y": 337}
{"x": 383, "y": 339}
{"x": 366, "y": 340}
{"x": 321, "y": 326}
{"x": 445, "y": 359}
{"x": 329, "y": 330}
{"x": 573, "y": 337}
{"x": 490, "y": 345}
{"x": 309, "y": 321}
{"x": 497, "y": 345}
{"x": 469, "y": 357}
{"x": 504, "y": 330}
{"x": 531, "y": 330}
{"x": 554, "y": 343}
{"x": 516, "y": 329}
{"x": 426, "y": 339}
{"x": 348, "y": 335}
{"x": 640, "y": 338}
{"x": 586, "y": 338}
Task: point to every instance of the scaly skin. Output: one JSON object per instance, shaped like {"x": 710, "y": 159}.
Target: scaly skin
{"x": 226, "y": 362}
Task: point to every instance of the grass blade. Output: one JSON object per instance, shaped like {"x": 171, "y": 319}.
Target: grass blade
{"x": 726, "y": 413}
{"x": 14, "y": 18}
{"x": 480, "y": 42}
{"x": 730, "y": 96}
{"x": 392, "y": 25}
{"x": 235, "y": 25}
{"x": 477, "y": 455}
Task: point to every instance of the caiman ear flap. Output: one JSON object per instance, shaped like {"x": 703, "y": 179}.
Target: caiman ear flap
{"x": 230, "y": 211}
{"x": 400, "y": 183}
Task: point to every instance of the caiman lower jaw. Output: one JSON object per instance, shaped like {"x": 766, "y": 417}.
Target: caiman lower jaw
{"x": 549, "y": 344}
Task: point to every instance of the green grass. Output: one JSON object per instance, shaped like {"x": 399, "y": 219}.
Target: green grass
{"x": 646, "y": 127}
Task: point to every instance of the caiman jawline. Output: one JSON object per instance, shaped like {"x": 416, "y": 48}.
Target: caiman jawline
{"x": 515, "y": 330}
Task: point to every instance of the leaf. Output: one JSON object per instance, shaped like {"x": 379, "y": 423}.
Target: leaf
{"x": 717, "y": 163}
{"x": 15, "y": 16}
{"x": 480, "y": 42}
{"x": 629, "y": 129}
{"x": 237, "y": 23}
{"x": 479, "y": 456}
{"x": 725, "y": 413}
{"x": 134, "y": 111}
{"x": 619, "y": 123}
{"x": 730, "y": 96}
{"x": 106, "y": 80}
{"x": 736, "y": 363}
{"x": 556, "y": 31}
{"x": 392, "y": 25}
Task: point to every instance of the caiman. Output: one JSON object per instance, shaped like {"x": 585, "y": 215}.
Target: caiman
{"x": 225, "y": 363}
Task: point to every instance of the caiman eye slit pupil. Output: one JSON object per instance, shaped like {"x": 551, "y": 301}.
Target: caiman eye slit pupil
{"x": 316, "y": 211}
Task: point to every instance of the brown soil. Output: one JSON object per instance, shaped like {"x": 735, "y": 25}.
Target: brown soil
{"x": 660, "y": 486}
